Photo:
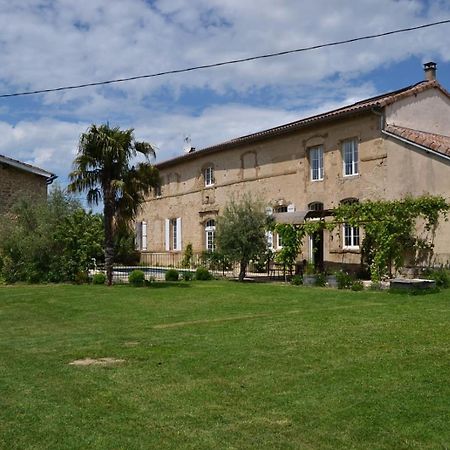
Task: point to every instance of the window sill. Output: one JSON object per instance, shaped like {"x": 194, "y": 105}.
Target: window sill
{"x": 355, "y": 250}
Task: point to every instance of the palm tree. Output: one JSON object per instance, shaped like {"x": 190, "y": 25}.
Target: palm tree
{"x": 102, "y": 169}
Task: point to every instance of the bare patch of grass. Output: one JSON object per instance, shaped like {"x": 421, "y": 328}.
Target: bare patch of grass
{"x": 96, "y": 362}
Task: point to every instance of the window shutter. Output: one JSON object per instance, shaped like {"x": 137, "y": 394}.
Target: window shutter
{"x": 167, "y": 234}
{"x": 291, "y": 208}
{"x": 144, "y": 235}
{"x": 269, "y": 211}
{"x": 138, "y": 235}
{"x": 178, "y": 233}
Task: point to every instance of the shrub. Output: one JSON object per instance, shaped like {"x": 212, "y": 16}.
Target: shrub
{"x": 374, "y": 286}
{"x": 321, "y": 280}
{"x": 344, "y": 280}
{"x": 188, "y": 256}
{"x": 136, "y": 278}
{"x": 187, "y": 276}
{"x": 202, "y": 273}
{"x": 357, "y": 285}
{"x": 297, "y": 280}
{"x": 172, "y": 275}
{"x": 81, "y": 277}
{"x": 99, "y": 278}
{"x": 441, "y": 276}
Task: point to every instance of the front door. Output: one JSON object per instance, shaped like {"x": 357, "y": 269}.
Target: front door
{"x": 316, "y": 249}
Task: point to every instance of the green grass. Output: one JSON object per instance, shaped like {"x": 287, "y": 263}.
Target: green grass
{"x": 220, "y": 365}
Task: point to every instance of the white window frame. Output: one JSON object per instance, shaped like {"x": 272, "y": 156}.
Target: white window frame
{"x": 351, "y": 237}
{"x": 144, "y": 236}
{"x": 173, "y": 234}
{"x": 210, "y": 235}
{"x": 208, "y": 175}
{"x": 350, "y": 158}
{"x": 316, "y": 163}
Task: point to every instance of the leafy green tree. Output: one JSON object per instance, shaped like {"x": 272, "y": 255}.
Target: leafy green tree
{"x": 241, "y": 231}
{"x": 51, "y": 241}
{"x": 103, "y": 169}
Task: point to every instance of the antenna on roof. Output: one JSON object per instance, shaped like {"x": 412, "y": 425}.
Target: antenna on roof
{"x": 187, "y": 147}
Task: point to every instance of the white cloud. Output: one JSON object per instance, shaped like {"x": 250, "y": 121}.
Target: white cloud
{"x": 47, "y": 143}
{"x": 74, "y": 42}
{"x": 54, "y": 43}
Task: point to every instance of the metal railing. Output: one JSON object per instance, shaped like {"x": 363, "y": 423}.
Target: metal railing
{"x": 155, "y": 266}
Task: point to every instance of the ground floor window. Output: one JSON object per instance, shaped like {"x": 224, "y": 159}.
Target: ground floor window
{"x": 351, "y": 236}
{"x": 173, "y": 234}
{"x": 351, "y": 233}
{"x": 141, "y": 236}
{"x": 210, "y": 235}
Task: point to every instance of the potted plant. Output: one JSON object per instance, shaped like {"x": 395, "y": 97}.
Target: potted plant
{"x": 309, "y": 277}
{"x": 331, "y": 280}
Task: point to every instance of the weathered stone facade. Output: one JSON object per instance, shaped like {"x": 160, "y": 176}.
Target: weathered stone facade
{"x": 276, "y": 167}
{"x": 16, "y": 183}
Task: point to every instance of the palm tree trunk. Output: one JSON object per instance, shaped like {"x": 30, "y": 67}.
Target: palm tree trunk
{"x": 108, "y": 212}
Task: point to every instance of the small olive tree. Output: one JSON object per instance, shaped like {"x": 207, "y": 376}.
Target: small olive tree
{"x": 241, "y": 231}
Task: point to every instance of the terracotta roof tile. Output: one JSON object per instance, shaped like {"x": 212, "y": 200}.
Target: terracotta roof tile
{"x": 437, "y": 142}
{"x": 379, "y": 101}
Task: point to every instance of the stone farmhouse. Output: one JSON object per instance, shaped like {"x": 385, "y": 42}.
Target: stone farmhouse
{"x": 18, "y": 179}
{"x": 385, "y": 147}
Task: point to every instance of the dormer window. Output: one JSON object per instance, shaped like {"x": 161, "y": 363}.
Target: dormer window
{"x": 208, "y": 175}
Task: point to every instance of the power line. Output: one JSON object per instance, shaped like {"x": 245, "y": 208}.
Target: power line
{"x": 225, "y": 63}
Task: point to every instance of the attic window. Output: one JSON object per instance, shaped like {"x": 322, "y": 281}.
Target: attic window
{"x": 281, "y": 209}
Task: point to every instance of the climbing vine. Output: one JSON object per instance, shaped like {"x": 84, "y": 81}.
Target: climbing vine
{"x": 292, "y": 237}
{"x": 389, "y": 230}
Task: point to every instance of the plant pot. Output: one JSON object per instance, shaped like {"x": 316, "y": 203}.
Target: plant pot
{"x": 309, "y": 280}
{"x": 332, "y": 281}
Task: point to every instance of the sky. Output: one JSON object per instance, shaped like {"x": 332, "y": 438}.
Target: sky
{"x": 52, "y": 43}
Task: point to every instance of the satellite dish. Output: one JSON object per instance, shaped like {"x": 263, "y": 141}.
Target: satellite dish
{"x": 187, "y": 147}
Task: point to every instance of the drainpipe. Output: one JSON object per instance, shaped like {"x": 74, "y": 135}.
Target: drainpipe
{"x": 51, "y": 179}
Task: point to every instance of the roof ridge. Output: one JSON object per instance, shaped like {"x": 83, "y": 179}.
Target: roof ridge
{"x": 380, "y": 100}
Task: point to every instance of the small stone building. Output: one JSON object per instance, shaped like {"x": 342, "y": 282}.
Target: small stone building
{"x": 18, "y": 179}
{"x": 386, "y": 147}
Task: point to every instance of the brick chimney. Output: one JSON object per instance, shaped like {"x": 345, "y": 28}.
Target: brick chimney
{"x": 430, "y": 71}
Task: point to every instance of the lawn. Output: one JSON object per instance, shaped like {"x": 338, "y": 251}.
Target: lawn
{"x": 217, "y": 365}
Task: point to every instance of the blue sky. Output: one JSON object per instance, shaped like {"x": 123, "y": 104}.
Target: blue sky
{"x": 51, "y": 43}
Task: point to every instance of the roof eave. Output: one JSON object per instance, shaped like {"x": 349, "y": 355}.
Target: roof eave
{"x": 262, "y": 136}
{"x": 27, "y": 168}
